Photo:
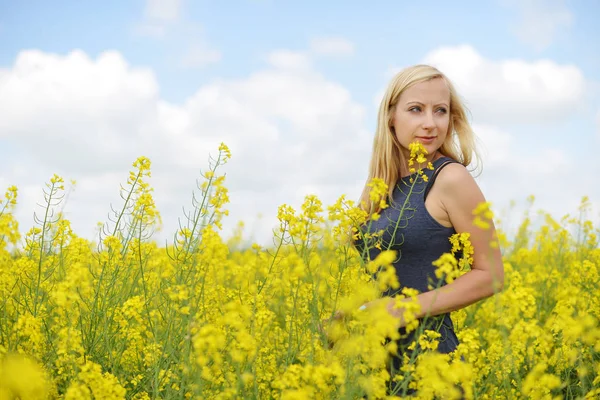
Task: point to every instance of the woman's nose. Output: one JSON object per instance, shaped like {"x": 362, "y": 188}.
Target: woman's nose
{"x": 428, "y": 122}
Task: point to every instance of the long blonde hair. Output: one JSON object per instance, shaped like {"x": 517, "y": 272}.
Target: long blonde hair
{"x": 387, "y": 157}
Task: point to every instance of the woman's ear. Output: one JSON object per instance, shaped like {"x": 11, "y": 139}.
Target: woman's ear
{"x": 392, "y": 119}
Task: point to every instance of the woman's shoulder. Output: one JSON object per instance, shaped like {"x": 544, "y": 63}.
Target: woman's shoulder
{"x": 454, "y": 175}
{"x": 459, "y": 194}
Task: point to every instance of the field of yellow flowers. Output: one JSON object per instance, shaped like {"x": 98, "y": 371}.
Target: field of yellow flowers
{"x": 202, "y": 318}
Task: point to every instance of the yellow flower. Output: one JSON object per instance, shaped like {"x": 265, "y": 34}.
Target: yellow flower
{"x": 22, "y": 378}
{"x": 205, "y": 317}
{"x": 483, "y": 215}
{"x": 225, "y": 150}
{"x": 378, "y": 193}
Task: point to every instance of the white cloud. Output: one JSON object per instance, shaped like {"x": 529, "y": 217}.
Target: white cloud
{"x": 163, "y": 10}
{"x": 598, "y": 123}
{"x": 291, "y": 132}
{"x": 511, "y": 90}
{"x": 89, "y": 107}
{"x": 335, "y": 46}
{"x": 162, "y": 19}
{"x": 158, "y": 16}
{"x": 540, "y": 21}
{"x": 150, "y": 29}
{"x": 88, "y": 119}
{"x": 508, "y": 91}
{"x": 290, "y": 60}
{"x": 494, "y": 145}
{"x": 512, "y": 172}
{"x": 200, "y": 55}
{"x": 500, "y": 151}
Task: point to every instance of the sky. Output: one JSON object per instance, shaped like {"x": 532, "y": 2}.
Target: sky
{"x": 293, "y": 89}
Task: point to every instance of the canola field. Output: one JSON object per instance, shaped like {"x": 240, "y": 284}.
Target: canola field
{"x": 202, "y": 318}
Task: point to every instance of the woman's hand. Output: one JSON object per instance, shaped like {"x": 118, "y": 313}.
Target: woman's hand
{"x": 390, "y": 307}
{"x": 324, "y": 325}
{"x": 388, "y": 303}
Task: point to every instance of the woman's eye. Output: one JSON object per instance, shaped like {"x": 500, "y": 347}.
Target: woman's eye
{"x": 440, "y": 110}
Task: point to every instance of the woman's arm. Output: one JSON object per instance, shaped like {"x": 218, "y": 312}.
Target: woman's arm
{"x": 460, "y": 196}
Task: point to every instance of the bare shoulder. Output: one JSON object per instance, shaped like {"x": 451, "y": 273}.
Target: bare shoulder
{"x": 454, "y": 173}
{"x": 460, "y": 195}
{"x": 458, "y": 187}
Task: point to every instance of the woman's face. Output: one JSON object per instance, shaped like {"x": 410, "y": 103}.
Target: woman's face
{"x": 423, "y": 113}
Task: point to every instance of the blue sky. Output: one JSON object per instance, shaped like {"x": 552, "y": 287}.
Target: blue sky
{"x": 343, "y": 52}
{"x": 384, "y": 33}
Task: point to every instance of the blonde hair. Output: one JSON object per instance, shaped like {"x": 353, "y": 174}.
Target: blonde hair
{"x": 387, "y": 158}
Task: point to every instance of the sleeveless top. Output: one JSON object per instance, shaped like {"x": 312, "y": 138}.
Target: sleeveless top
{"x": 419, "y": 240}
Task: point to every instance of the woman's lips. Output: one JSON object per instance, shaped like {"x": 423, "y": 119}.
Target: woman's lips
{"x": 426, "y": 139}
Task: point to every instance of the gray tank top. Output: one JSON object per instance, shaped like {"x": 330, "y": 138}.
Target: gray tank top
{"x": 418, "y": 239}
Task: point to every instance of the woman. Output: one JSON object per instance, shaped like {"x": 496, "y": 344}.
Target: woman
{"x": 422, "y": 105}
